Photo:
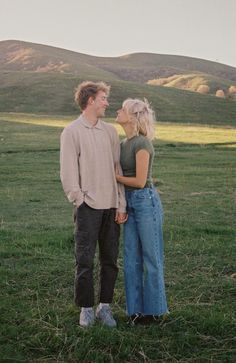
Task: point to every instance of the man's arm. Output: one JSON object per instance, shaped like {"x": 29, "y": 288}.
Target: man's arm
{"x": 69, "y": 168}
{"x": 121, "y": 190}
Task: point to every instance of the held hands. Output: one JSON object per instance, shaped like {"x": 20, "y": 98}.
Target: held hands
{"x": 121, "y": 217}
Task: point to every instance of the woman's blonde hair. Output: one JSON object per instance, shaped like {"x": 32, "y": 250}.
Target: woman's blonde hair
{"x": 142, "y": 115}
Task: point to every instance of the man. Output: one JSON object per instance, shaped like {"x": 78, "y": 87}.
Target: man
{"x": 89, "y": 155}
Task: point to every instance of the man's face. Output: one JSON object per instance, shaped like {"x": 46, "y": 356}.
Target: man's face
{"x": 100, "y": 104}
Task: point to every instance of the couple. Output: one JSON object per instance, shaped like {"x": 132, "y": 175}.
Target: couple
{"x": 91, "y": 176}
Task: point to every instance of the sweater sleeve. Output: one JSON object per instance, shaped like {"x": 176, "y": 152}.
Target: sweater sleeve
{"x": 121, "y": 188}
{"x": 69, "y": 168}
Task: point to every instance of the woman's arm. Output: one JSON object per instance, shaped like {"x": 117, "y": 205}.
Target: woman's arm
{"x": 139, "y": 181}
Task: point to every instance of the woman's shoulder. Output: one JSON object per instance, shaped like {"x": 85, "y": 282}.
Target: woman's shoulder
{"x": 143, "y": 140}
{"x": 142, "y": 143}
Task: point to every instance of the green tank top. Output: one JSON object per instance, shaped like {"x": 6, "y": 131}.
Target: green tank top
{"x": 129, "y": 149}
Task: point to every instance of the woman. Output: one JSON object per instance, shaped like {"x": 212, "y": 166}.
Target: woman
{"x": 143, "y": 237}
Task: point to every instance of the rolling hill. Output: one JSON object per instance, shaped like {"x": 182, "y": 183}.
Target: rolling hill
{"x": 194, "y": 82}
{"x": 138, "y": 67}
{"x": 41, "y": 79}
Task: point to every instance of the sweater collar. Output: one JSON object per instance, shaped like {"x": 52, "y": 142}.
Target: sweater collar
{"x": 87, "y": 124}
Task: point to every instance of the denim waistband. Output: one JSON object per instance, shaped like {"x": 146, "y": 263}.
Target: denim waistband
{"x": 147, "y": 186}
{"x": 136, "y": 190}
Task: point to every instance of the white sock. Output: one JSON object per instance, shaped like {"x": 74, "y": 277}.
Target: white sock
{"x": 86, "y": 309}
{"x": 103, "y": 304}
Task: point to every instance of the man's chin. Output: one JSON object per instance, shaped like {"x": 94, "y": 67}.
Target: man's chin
{"x": 101, "y": 114}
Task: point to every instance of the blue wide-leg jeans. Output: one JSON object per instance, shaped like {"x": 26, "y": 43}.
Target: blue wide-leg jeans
{"x": 143, "y": 253}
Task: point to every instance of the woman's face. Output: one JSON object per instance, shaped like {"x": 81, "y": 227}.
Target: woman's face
{"x": 122, "y": 116}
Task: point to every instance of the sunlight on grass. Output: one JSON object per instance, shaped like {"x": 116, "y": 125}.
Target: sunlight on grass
{"x": 192, "y": 134}
{"x": 165, "y": 132}
{"x": 41, "y": 120}
{"x": 195, "y": 134}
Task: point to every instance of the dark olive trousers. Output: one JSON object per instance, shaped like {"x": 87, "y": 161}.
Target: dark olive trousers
{"x": 94, "y": 226}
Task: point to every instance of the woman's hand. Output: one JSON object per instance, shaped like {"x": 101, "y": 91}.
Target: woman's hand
{"x": 117, "y": 173}
{"x": 119, "y": 178}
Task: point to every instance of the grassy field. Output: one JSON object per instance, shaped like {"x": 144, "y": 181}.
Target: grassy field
{"x": 53, "y": 93}
{"x": 195, "y": 173}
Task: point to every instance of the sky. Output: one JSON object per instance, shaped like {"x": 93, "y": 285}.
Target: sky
{"x": 197, "y": 28}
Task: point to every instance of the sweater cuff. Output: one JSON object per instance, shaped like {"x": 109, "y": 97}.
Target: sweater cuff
{"x": 76, "y": 197}
{"x": 121, "y": 209}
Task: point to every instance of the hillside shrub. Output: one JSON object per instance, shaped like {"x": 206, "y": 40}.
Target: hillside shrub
{"x": 203, "y": 88}
{"x": 220, "y": 93}
{"x": 232, "y": 90}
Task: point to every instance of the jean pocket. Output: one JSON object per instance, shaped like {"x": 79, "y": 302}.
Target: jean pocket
{"x": 142, "y": 194}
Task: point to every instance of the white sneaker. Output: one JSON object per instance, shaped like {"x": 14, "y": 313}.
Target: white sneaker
{"x": 104, "y": 314}
{"x": 86, "y": 317}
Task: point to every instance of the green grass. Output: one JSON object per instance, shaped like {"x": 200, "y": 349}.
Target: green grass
{"x": 195, "y": 173}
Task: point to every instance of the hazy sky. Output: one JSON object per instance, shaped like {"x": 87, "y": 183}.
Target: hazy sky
{"x": 197, "y": 28}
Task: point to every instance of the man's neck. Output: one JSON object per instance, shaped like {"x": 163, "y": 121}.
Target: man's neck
{"x": 90, "y": 117}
